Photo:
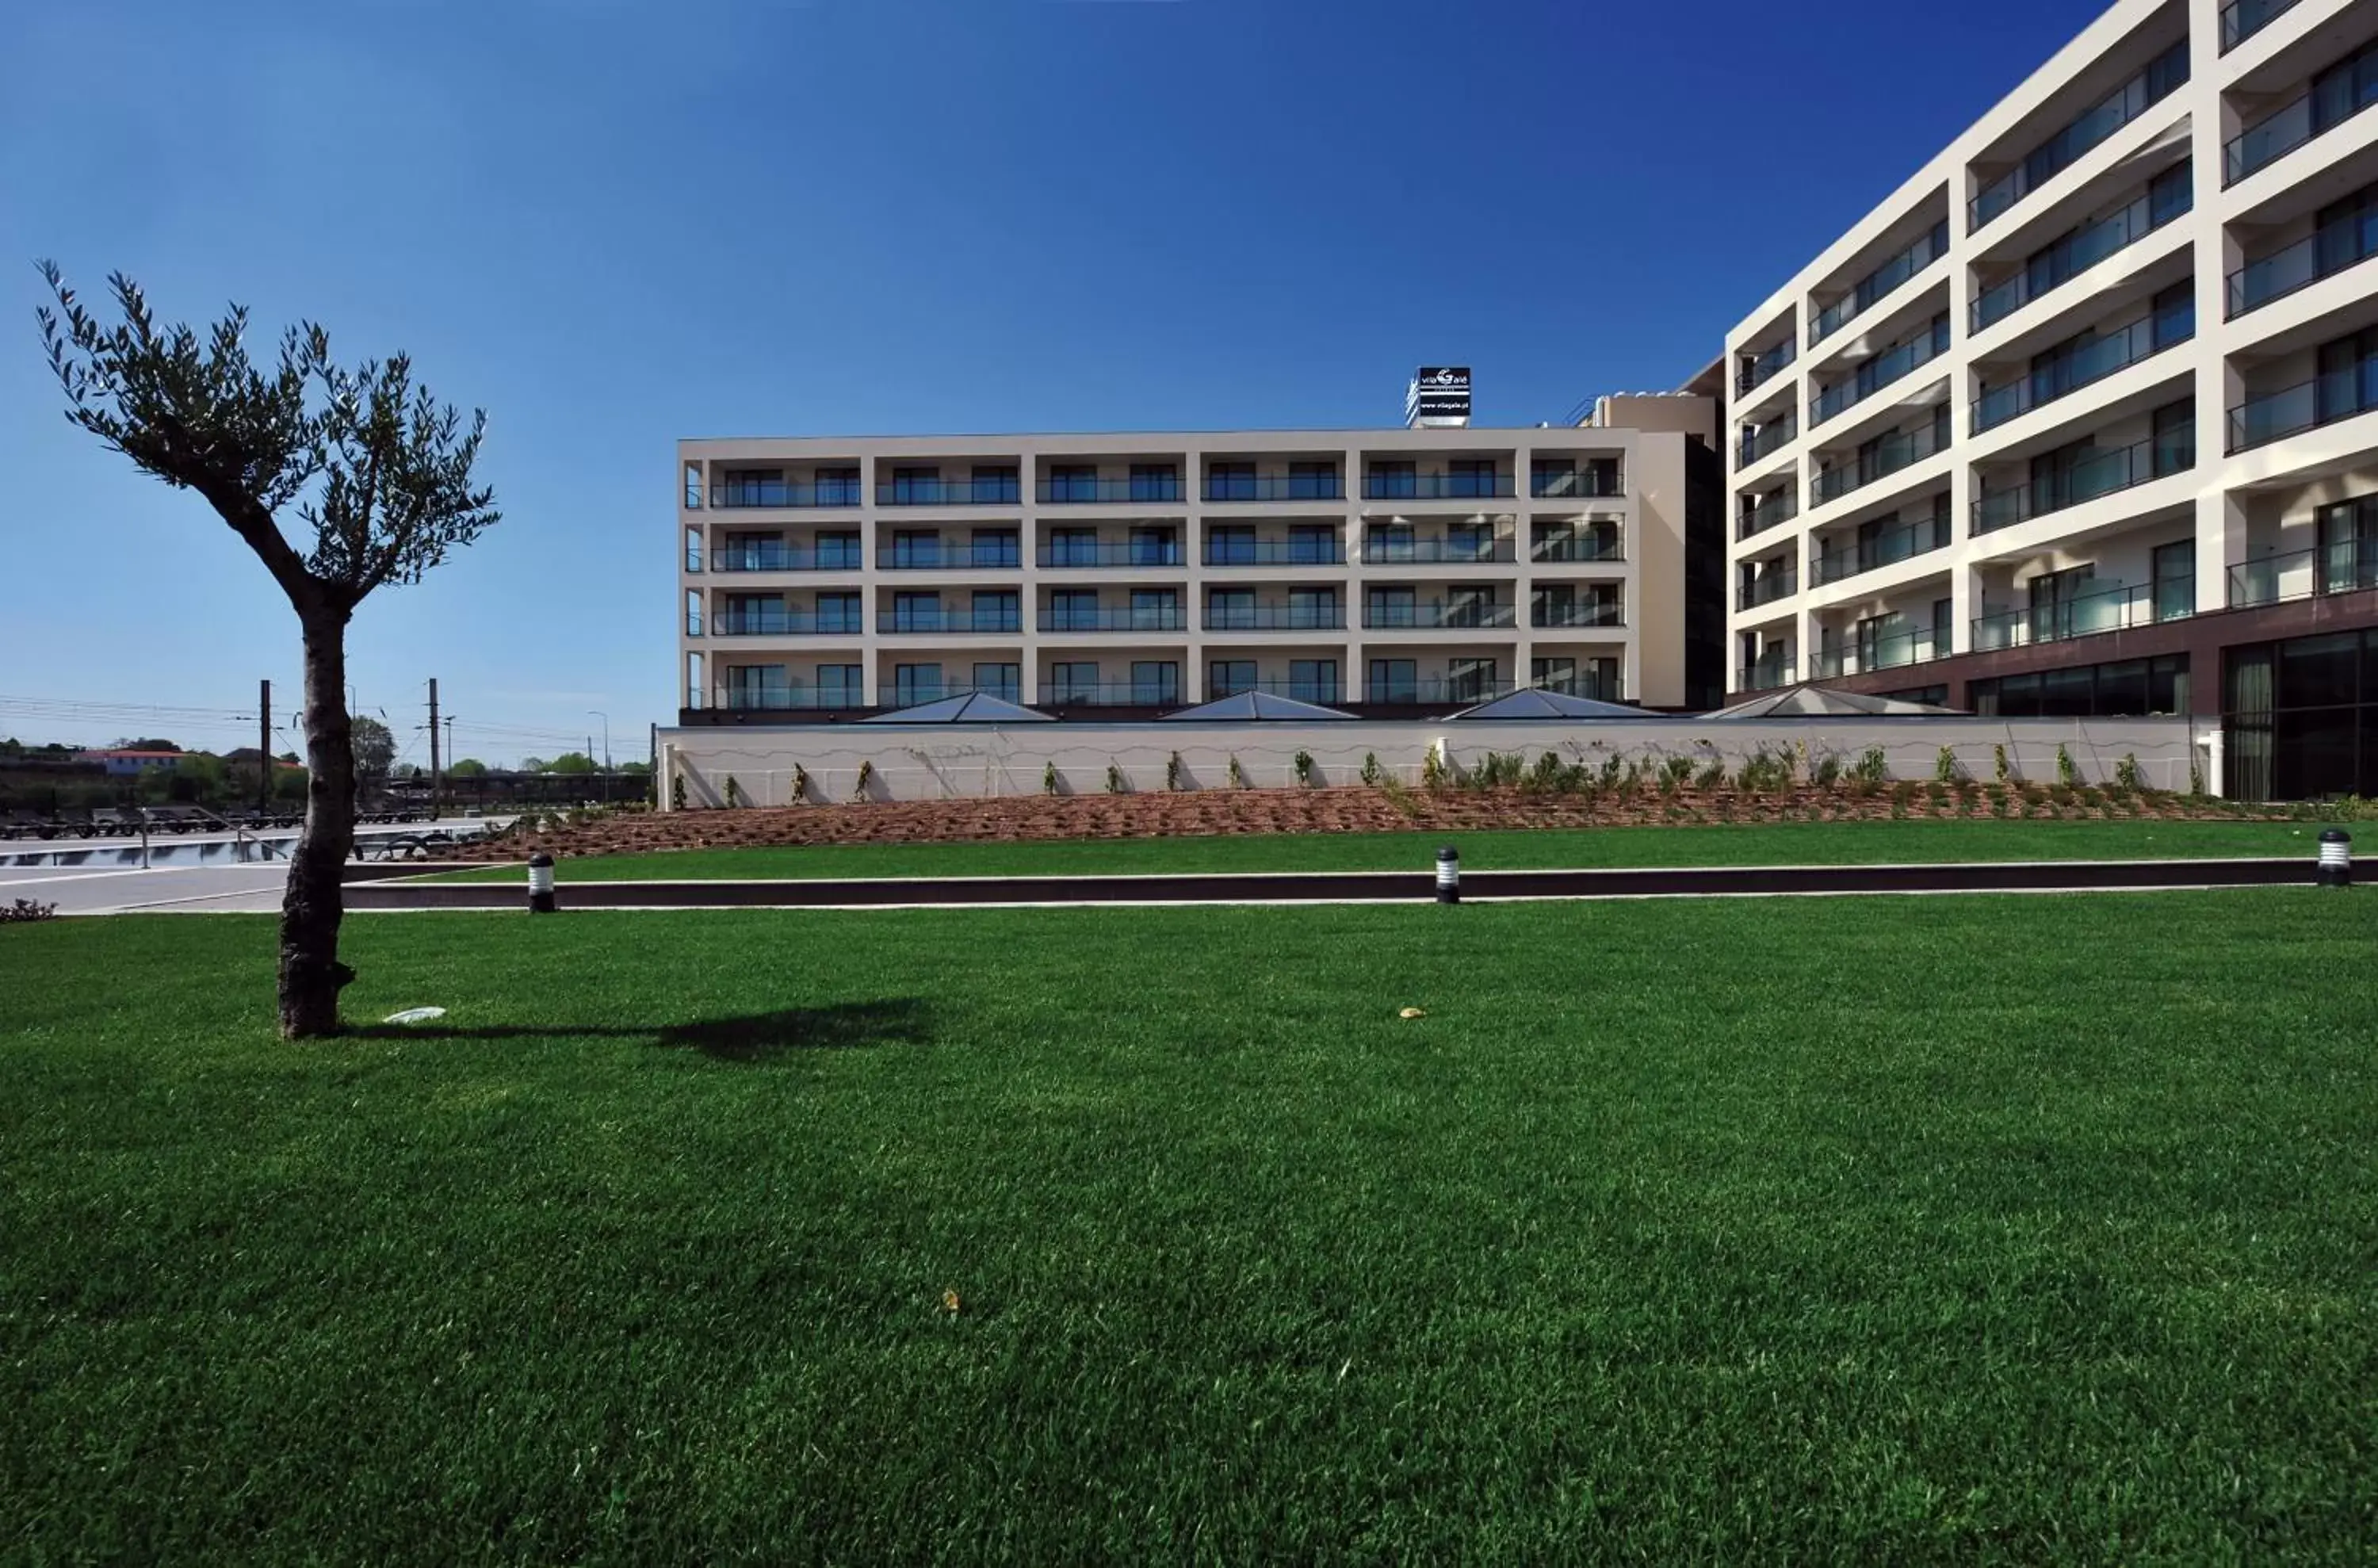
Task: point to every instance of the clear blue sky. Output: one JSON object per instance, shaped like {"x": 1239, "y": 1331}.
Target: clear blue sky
{"x": 614, "y": 225}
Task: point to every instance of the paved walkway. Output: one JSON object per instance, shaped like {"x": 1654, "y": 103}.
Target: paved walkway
{"x": 89, "y": 890}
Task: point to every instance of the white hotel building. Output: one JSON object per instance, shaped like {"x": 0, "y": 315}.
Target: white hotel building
{"x": 2083, "y": 419}
{"x": 1122, "y": 575}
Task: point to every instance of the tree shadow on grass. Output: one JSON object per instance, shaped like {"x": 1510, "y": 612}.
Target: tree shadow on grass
{"x": 753, "y": 1037}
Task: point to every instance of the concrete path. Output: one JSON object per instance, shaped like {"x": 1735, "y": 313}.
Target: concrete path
{"x": 88, "y": 890}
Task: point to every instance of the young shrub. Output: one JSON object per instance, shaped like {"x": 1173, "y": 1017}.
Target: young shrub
{"x": 1612, "y": 766}
{"x": 1114, "y": 780}
{"x": 2126, "y": 773}
{"x": 1998, "y": 763}
{"x": 2195, "y": 780}
{"x": 1303, "y": 763}
{"x": 676, "y": 791}
{"x": 1237, "y": 774}
{"x": 2067, "y": 773}
{"x": 1673, "y": 774}
{"x": 1172, "y": 772}
{"x": 1827, "y": 773}
{"x": 1547, "y": 775}
{"x": 1048, "y": 779}
{"x": 866, "y": 776}
{"x": 801, "y": 784}
{"x": 1432, "y": 769}
{"x": 24, "y": 911}
{"x": 1712, "y": 778}
{"x": 1944, "y": 766}
{"x": 1873, "y": 768}
{"x": 1372, "y": 772}
{"x": 734, "y": 791}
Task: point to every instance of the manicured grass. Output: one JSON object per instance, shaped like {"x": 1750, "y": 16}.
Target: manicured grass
{"x": 1732, "y": 1230}
{"x": 1813, "y": 843}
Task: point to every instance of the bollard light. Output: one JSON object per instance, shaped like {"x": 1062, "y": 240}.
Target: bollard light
{"x": 2335, "y": 868}
{"x": 540, "y": 884}
{"x": 1448, "y": 875}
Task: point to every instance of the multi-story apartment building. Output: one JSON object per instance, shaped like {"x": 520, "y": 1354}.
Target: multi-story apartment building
{"x": 2083, "y": 419}
{"x": 1384, "y": 571}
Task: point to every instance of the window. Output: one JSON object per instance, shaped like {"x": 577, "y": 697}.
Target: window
{"x": 1387, "y": 541}
{"x": 1313, "y": 679}
{"x": 692, "y": 485}
{"x": 1230, "y": 610}
{"x": 693, "y": 613}
{"x": 913, "y": 683}
{"x": 1229, "y": 677}
{"x": 1470, "y": 476}
{"x": 1073, "y": 547}
{"x": 1389, "y": 607}
{"x": 2348, "y": 377}
{"x": 2127, "y": 689}
{"x": 1553, "y": 674}
{"x": 1074, "y": 682}
{"x": 839, "y": 613}
{"x": 1229, "y": 481}
{"x": 1154, "y": 481}
{"x": 996, "y": 548}
{"x": 1392, "y": 681}
{"x": 2056, "y": 612}
{"x": 1470, "y": 679}
{"x": 1073, "y": 609}
{"x": 1155, "y": 683}
{"x": 1392, "y": 481}
{"x": 1313, "y": 544}
{"x": 916, "y": 612}
{"x": 693, "y": 549}
{"x": 1155, "y": 609}
{"x": 915, "y": 547}
{"x": 1230, "y": 544}
{"x": 2348, "y": 546}
{"x": 995, "y": 485}
{"x": 1314, "y": 609}
{"x": 838, "y": 551}
{"x": 1944, "y": 628}
{"x": 1553, "y": 476}
{"x": 1468, "y": 541}
{"x": 1001, "y": 680}
{"x": 757, "y": 686}
{"x": 1072, "y": 481}
{"x": 1155, "y": 546}
{"x": 913, "y": 487}
{"x": 838, "y": 486}
{"x": 2173, "y": 568}
{"x": 995, "y": 610}
{"x": 841, "y": 685}
{"x": 1313, "y": 481}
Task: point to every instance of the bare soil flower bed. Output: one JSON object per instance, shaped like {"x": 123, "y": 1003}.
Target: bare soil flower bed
{"x": 1009, "y": 819}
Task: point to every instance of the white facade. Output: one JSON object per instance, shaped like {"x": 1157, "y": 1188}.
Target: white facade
{"x": 2106, "y": 363}
{"x": 1152, "y": 571}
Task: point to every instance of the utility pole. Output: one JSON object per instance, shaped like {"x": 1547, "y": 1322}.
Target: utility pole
{"x": 436, "y": 792}
{"x": 263, "y": 748}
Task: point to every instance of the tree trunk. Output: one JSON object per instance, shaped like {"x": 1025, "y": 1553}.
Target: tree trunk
{"x": 311, "y": 974}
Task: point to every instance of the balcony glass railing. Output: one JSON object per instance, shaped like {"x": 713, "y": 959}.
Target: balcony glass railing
{"x": 2336, "y": 96}
{"x": 1124, "y": 617}
{"x": 1764, "y": 675}
{"x": 2088, "y": 363}
{"x": 2097, "y": 474}
{"x": 963, "y": 622}
{"x": 1224, "y": 551}
{"x": 2242, "y": 20}
{"x": 1561, "y": 483}
{"x": 1112, "y": 694}
{"x": 1436, "y": 486}
{"x": 1779, "y": 582}
{"x": 2341, "y": 566}
{"x": 2164, "y": 75}
{"x": 1274, "y": 487}
{"x": 1757, "y": 372}
{"x": 1879, "y": 372}
{"x": 1880, "y": 649}
{"x": 1886, "y": 547}
{"x": 1323, "y": 691}
{"x": 1150, "y": 490}
{"x": 2085, "y": 615}
{"x": 1464, "y": 689}
{"x": 1276, "y": 618}
{"x": 779, "y": 492}
{"x": 949, "y": 492}
{"x": 788, "y": 558}
{"x": 785, "y": 699}
{"x": 1431, "y": 615}
{"x": 1778, "y": 506}
{"x": 1152, "y": 554}
{"x": 1431, "y": 550}
{"x": 1878, "y": 460}
{"x": 1577, "y": 548}
{"x": 1578, "y": 615}
{"x": 2076, "y": 253}
{"x": 1770, "y": 437}
{"x": 949, "y": 555}
{"x": 1869, "y": 290}
{"x": 786, "y": 623}
{"x": 2321, "y": 254}
{"x": 2323, "y": 400}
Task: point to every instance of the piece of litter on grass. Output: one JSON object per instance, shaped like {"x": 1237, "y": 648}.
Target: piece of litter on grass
{"x": 950, "y": 1301}
{"x": 415, "y": 1015}
{"x": 1413, "y": 1013}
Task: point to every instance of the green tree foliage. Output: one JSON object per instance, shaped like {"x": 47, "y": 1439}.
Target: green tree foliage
{"x": 468, "y": 768}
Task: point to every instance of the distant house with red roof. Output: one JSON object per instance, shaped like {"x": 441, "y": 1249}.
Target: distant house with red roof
{"x": 122, "y": 762}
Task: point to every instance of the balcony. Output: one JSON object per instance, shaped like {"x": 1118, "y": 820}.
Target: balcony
{"x": 2098, "y": 474}
{"x": 1436, "y": 549}
{"x": 2242, "y": 20}
{"x": 952, "y": 556}
{"x": 953, "y": 623}
{"x": 2083, "y": 249}
{"x": 1757, "y": 372}
{"x": 1434, "y": 615}
{"x": 1276, "y": 618}
{"x": 1780, "y": 583}
{"x": 1316, "y": 551}
{"x": 1112, "y": 694}
{"x": 778, "y": 492}
{"x": 1325, "y": 691}
{"x": 1883, "y": 548}
{"x": 1764, "y": 675}
{"x": 949, "y": 492}
{"x": 1150, "y": 555}
{"x": 1461, "y": 689}
{"x": 1581, "y": 483}
{"x": 1579, "y": 549}
{"x": 1147, "y": 490}
{"x": 2163, "y": 75}
{"x": 784, "y": 699}
{"x": 2342, "y": 566}
{"x": 1881, "y": 650}
{"x": 1129, "y": 618}
{"x": 1273, "y": 487}
{"x": 2115, "y": 609}
{"x": 1878, "y": 460}
{"x": 1593, "y": 615}
{"x": 1872, "y": 288}
{"x": 2307, "y": 406}
{"x": 2091, "y": 361}
{"x": 1780, "y": 506}
{"x": 2336, "y": 96}
{"x": 1889, "y": 366}
{"x": 1438, "y": 487}
{"x": 1770, "y": 437}
{"x": 2323, "y": 253}
{"x": 788, "y": 558}
{"x": 786, "y": 623}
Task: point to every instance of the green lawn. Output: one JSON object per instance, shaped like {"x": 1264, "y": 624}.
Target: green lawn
{"x": 1734, "y": 1230}
{"x": 1776, "y": 844}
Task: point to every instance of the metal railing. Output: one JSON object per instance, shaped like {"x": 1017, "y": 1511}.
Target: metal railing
{"x": 1061, "y": 554}
{"x": 1464, "y": 690}
{"x": 2163, "y": 75}
{"x": 2090, "y": 363}
{"x": 1128, "y": 618}
{"x": 949, "y": 492}
{"x": 1586, "y": 615}
{"x": 1146, "y": 490}
{"x": 1781, "y": 582}
{"x": 1436, "y": 487}
{"x": 1318, "y": 551}
{"x": 2323, "y": 253}
{"x": 2242, "y": 20}
{"x": 1578, "y": 550}
{"x": 1434, "y": 549}
{"x": 1437, "y": 615}
{"x": 2086, "y": 615}
{"x": 1322, "y": 691}
{"x": 1880, "y": 650}
{"x": 1276, "y": 618}
{"x": 778, "y": 492}
{"x": 1780, "y": 506}
{"x": 1764, "y": 675}
{"x": 2341, "y": 566}
{"x": 1870, "y": 290}
{"x": 1274, "y": 487}
{"x": 784, "y": 623}
{"x": 1893, "y": 364}
{"x": 958, "y": 555}
{"x": 2339, "y": 94}
{"x": 1770, "y": 437}
{"x": 1581, "y": 483}
{"x": 1886, "y": 547}
{"x": 2084, "y": 250}
{"x": 1112, "y": 694}
{"x": 2098, "y": 474}
{"x": 788, "y": 558}
{"x": 1878, "y": 460}
{"x": 1763, "y": 370}
{"x": 2323, "y": 400}
{"x": 783, "y": 699}
{"x": 960, "y": 622}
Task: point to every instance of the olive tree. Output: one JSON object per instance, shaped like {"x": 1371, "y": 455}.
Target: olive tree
{"x": 342, "y": 480}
